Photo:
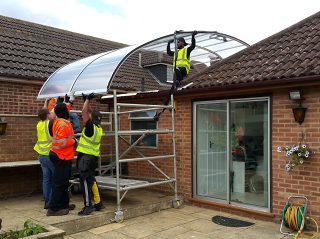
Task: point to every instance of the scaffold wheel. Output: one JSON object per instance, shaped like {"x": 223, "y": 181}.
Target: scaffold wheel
{"x": 176, "y": 203}
{"x": 118, "y": 216}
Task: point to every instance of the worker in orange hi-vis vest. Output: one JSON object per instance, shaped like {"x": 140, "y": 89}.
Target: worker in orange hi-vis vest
{"x": 61, "y": 154}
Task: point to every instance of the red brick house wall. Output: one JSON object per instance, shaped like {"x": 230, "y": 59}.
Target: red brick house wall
{"x": 19, "y": 107}
{"x": 304, "y": 180}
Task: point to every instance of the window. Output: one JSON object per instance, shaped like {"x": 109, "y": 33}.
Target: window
{"x": 141, "y": 121}
{"x": 162, "y": 72}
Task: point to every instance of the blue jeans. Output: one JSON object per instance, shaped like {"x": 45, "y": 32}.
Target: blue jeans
{"x": 47, "y": 172}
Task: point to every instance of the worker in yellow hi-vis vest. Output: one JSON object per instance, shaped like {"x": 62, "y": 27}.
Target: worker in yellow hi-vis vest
{"x": 181, "y": 65}
{"x": 88, "y": 153}
{"x": 181, "y": 61}
{"x": 42, "y": 147}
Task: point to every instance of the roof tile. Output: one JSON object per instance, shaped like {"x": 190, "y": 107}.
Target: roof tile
{"x": 34, "y": 51}
{"x": 291, "y": 53}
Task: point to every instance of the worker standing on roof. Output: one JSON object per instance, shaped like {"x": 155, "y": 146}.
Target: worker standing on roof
{"x": 61, "y": 154}
{"x": 181, "y": 65}
{"x": 42, "y": 147}
{"x": 88, "y": 153}
{"x": 181, "y": 62}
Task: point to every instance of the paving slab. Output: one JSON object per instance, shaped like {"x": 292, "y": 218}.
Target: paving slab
{"x": 149, "y": 216}
{"x": 186, "y": 222}
{"x": 15, "y": 211}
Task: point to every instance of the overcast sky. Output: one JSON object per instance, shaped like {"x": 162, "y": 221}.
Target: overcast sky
{"x": 138, "y": 21}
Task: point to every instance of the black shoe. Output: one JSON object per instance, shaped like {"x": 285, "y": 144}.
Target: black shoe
{"x": 99, "y": 206}
{"x": 46, "y": 205}
{"x": 60, "y": 212}
{"x": 86, "y": 211}
{"x": 72, "y": 207}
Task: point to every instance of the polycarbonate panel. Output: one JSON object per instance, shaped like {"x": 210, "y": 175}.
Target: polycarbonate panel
{"x": 95, "y": 73}
{"x": 96, "y": 76}
{"x": 59, "y": 83}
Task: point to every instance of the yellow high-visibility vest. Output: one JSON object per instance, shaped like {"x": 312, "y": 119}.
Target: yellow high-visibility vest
{"x": 90, "y": 145}
{"x": 44, "y": 139}
{"x": 182, "y": 60}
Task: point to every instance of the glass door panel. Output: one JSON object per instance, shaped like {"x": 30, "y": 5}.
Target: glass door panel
{"x": 249, "y": 155}
{"x": 211, "y": 150}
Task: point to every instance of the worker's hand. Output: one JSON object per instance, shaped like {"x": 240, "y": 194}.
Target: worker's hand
{"x": 171, "y": 41}
{"x": 91, "y": 96}
{"x": 84, "y": 97}
{"x": 194, "y": 33}
{"x": 75, "y": 141}
{"x": 66, "y": 98}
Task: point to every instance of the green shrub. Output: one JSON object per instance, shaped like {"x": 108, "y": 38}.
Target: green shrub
{"x": 29, "y": 229}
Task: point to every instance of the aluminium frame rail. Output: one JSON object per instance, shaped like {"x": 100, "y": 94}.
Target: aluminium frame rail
{"x": 123, "y": 185}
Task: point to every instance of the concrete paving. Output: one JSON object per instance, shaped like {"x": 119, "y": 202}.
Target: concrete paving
{"x": 148, "y": 215}
{"x": 185, "y": 222}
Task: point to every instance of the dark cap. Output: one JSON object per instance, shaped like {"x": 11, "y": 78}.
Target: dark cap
{"x": 96, "y": 117}
{"x": 61, "y": 111}
{"x": 182, "y": 40}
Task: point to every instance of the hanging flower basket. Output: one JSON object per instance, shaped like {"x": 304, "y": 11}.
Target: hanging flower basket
{"x": 296, "y": 155}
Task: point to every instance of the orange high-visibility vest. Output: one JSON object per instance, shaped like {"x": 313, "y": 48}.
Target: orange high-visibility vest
{"x": 62, "y": 139}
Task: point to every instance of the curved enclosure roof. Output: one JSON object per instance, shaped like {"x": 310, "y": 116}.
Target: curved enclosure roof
{"x": 95, "y": 73}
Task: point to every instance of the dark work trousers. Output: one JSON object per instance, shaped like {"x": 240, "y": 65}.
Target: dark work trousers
{"x": 87, "y": 165}
{"x": 60, "y": 182}
{"x": 180, "y": 73}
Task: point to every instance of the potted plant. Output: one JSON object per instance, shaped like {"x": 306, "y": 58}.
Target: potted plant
{"x": 296, "y": 155}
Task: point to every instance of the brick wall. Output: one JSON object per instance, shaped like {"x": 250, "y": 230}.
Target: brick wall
{"x": 19, "y": 181}
{"x": 305, "y": 179}
{"x": 18, "y": 142}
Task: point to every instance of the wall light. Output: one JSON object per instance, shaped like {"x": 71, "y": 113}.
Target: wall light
{"x": 295, "y": 95}
{"x": 299, "y": 111}
{"x": 3, "y": 126}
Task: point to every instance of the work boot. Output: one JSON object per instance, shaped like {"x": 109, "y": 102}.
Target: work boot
{"x": 99, "y": 206}
{"x": 46, "y": 205}
{"x": 86, "y": 211}
{"x": 60, "y": 212}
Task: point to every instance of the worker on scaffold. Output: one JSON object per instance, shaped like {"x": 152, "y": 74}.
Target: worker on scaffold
{"x": 181, "y": 62}
{"x": 181, "y": 65}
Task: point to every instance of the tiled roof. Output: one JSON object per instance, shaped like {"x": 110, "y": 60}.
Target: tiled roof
{"x": 290, "y": 54}
{"x": 34, "y": 51}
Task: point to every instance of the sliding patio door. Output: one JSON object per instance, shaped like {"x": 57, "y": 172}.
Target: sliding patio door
{"x": 211, "y": 144}
{"x": 231, "y": 151}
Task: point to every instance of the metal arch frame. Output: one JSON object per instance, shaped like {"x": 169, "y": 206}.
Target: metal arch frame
{"x": 153, "y": 44}
{"x": 163, "y": 37}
